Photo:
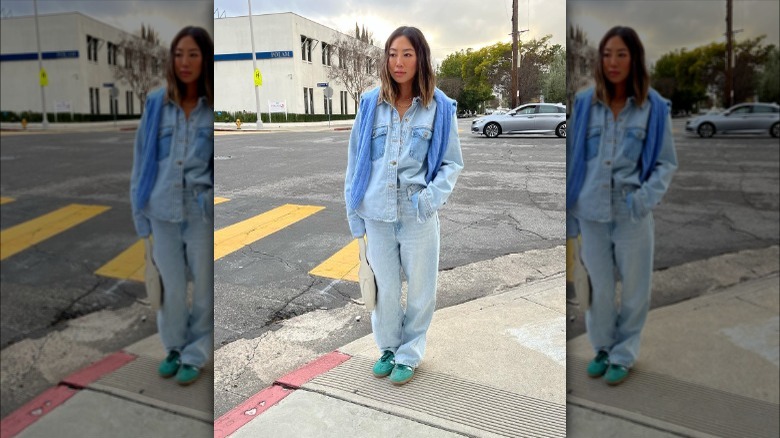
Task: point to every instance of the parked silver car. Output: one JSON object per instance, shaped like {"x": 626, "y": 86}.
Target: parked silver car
{"x": 531, "y": 118}
{"x": 745, "y": 118}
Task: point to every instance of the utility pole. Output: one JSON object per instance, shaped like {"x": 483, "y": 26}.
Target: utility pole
{"x": 729, "y": 55}
{"x": 40, "y": 67}
{"x": 254, "y": 66}
{"x": 513, "y": 98}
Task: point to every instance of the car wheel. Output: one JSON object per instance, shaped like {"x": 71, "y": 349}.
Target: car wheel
{"x": 706, "y": 130}
{"x": 560, "y": 131}
{"x": 775, "y": 131}
{"x": 492, "y": 130}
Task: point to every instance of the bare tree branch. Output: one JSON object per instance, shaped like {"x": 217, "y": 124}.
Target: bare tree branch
{"x": 357, "y": 64}
{"x": 144, "y": 62}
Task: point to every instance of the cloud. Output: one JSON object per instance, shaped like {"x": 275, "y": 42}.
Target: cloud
{"x": 448, "y": 26}
{"x": 167, "y": 17}
{"x": 666, "y": 25}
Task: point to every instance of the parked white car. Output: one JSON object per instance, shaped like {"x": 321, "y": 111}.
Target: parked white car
{"x": 531, "y": 118}
{"x": 745, "y": 118}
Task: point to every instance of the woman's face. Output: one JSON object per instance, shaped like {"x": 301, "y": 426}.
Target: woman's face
{"x": 402, "y": 60}
{"x": 188, "y": 61}
{"x": 616, "y": 60}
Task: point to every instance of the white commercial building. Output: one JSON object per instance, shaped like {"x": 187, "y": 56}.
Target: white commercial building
{"x": 79, "y": 54}
{"x": 294, "y": 55}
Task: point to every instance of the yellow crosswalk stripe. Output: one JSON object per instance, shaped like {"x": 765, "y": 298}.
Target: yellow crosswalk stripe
{"x": 241, "y": 234}
{"x": 340, "y": 266}
{"x": 30, "y": 233}
{"x": 129, "y": 265}
{"x": 218, "y": 200}
{"x": 6, "y": 200}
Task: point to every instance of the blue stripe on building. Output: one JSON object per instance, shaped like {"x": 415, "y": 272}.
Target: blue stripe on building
{"x": 33, "y": 56}
{"x": 248, "y": 56}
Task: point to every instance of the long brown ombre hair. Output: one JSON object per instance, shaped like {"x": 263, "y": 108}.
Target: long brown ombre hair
{"x": 638, "y": 80}
{"x": 176, "y": 89}
{"x": 424, "y": 81}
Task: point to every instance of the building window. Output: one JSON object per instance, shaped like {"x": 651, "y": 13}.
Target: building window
{"x": 342, "y": 58}
{"x": 129, "y": 102}
{"x": 306, "y": 48}
{"x": 327, "y": 49}
{"x": 128, "y": 58}
{"x": 343, "y": 101}
{"x": 94, "y": 100}
{"x": 112, "y": 51}
{"x": 92, "y": 48}
{"x": 305, "y": 100}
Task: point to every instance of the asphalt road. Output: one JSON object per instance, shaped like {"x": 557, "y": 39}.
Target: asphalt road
{"x": 724, "y": 198}
{"x": 53, "y": 283}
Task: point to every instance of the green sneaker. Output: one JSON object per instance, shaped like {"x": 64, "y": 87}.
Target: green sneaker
{"x": 187, "y": 374}
{"x": 384, "y": 366}
{"x": 170, "y": 365}
{"x": 401, "y": 374}
{"x": 616, "y": 374}
{"x": 598, "y": 366}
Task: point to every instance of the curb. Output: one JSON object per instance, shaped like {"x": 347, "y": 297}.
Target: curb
{"x": 47, "y": 401}
{"x": 255, "y": 405}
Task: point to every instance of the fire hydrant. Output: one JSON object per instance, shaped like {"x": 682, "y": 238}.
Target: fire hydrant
{"x": 24, "y": 123}
{"x": 238, "y": 123}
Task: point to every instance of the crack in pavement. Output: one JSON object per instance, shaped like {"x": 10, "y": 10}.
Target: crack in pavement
{"x": 278, "y": 316}
{"x": 517, "y": 225}
{"x": 733, "y": 227}
{"x": 249, "y": 360}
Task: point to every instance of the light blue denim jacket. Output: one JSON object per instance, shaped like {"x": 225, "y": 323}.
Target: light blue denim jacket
{"x": 613, "y": 148}
{"x": 398, "y": 162}
{"x": 185, "y": 149}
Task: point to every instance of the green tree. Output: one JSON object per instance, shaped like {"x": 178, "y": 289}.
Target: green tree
{"x": 554, "y": 82}
{"x": 768, "y": 82}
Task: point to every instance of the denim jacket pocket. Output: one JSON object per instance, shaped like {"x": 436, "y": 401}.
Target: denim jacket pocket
{"x": 164, "y": 139}
{"x": 378, "y": 141}
{"x": 633, "y": 143}
{"x": 418, "y": 144}
{"x": 592, "y": 142}
{"x": 204, "y": 143}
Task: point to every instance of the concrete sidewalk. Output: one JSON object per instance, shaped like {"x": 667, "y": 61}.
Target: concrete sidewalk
{"x": 708, "y": 367}
{"x": 494, "y": 366}
{"x": 37, "y": 128}
{"x": 119, "y": 396}
{"x": 251, "y": 127}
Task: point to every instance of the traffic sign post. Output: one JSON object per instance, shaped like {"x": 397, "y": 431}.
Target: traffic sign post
{"x": 113, "y": 92}
{"x": 329, "y": 95}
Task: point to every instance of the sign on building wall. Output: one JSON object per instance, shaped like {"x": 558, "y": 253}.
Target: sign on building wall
{"x": 248, "y": 56}
{"x": 277, "y": 106}
{"x": 63, "y": 107}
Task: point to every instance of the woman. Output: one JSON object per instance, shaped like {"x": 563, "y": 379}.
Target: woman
{"x": 404, "y": 160}
{"x": 620, "y": 162}
{"x": 172, "y": 199}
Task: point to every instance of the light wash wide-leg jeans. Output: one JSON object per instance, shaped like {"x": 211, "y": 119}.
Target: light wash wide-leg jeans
{"x": 182, "y": 251}
{"x": 414, "y": 248}
{"x": 624, "y": 245}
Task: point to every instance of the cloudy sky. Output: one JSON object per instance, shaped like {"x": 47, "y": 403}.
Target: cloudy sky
{"x": 448, "y": 26}
{"x": 666, "y": 25}
{"x": 167, "y": 17}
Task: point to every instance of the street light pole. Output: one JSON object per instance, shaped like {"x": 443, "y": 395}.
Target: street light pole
{"x": 254, "y": 65}
{"x": 40, "y": 66}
